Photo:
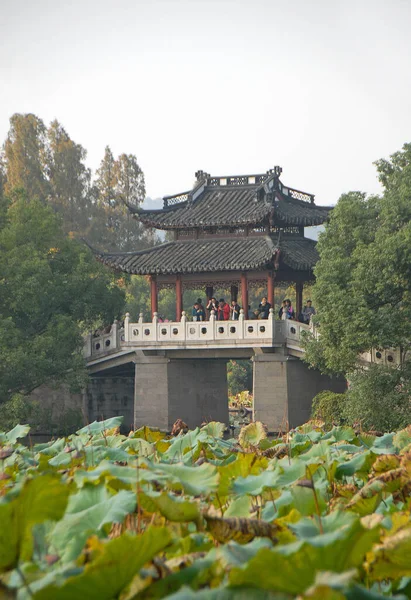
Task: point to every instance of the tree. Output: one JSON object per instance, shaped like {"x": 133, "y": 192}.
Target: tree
{"x": 69, "y": 179}
{"x": 51, "y": 291}
{"x": 120, "y": 184}
{"x": 25, "y": 155}
{"x": 106, "y": 180}
{"x": 363, "y": 292}
{"x": 129, "y": 181}
{"x": 363, "y": 277}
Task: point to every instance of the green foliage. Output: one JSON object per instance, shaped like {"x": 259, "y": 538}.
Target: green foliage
{"x": 363, "y": 277}
{"x": 329, "y": 519}
{"x": 329, "y": 407}
{"x": 51, "y": 289}
{"x": 363, "y": 294}
{"x": 379, "y": 398}
{"x": 21, "y": 410}
{"x": 239, "y": 376}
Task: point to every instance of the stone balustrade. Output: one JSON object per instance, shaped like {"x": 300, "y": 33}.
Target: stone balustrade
{"x": 213, "y": 333}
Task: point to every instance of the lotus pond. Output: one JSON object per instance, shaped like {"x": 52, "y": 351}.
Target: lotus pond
{"x": 99, "y": 515}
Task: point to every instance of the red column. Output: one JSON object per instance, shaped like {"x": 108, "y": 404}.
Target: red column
{"x": 179, "y": 297}
{"x": 270, "y": 288}
{"x": 299, "y": 298}
{"x": 154, "y": 295}
{"x": 244, "y": 294}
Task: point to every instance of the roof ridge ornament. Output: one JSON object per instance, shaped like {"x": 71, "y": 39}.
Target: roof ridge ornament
{"x": 201, "y": 176}
{"x": 276, "y": 171}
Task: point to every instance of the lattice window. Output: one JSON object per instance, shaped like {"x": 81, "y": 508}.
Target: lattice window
{"x": 186, "y": 233}
{"x": 258, "y": 231}
{"x": 287, "y": 230}
{"x": 177, "y": 199}
{"x": 297, "y": 195}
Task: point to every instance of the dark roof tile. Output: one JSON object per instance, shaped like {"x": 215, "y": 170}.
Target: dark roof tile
{"x": 205, "y": 256}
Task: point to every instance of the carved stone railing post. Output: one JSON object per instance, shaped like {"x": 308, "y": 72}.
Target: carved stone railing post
{"x": 212, "y": 323}
{"x": 127, "y": 328}
{"x": 155, "y": 326}
{"x": 241, "y": 323}
{"x": 184, "y": 324}
{"x": 140, "y": 318}
{"x": 271, "y": 321}
{"x": 114, "y": 334}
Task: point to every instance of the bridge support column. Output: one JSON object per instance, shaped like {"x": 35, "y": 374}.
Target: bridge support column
{"x": 283, "y": 390}
{"x": 194, "y": 390}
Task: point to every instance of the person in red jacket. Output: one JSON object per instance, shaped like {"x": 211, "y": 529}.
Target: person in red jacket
{"x": 223, "y": 310}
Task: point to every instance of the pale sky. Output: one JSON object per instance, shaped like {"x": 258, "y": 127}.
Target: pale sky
{"x": 322, "y": 88}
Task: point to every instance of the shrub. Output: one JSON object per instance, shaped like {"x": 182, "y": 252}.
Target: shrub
{"x": 329, "y": 407}
{"x": 379, "y": 398}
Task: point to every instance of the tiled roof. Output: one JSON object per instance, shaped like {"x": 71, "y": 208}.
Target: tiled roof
{"x": 216, "y": 206}
{"x": 298, "y": 253}
{"x": 298, "y": 212}
{"x": 202, "y": 256}
{"x": 234, "y": 206}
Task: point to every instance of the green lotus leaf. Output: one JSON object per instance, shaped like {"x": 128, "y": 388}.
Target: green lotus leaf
{"x": 224, "y": 593}
{"x": 43, "y": 498}
{"x": 305, "y": 500}
{"x": 255, "y": 484}
{"x": 171, "y": 507}
{"x": 384, "y": 444}
{"x": 87, "y": 512}
{"x": 340, "y": 434}
{"x": 19, "y": 431}
{"x": 181, "y": 444}
{"x": 239, "y": 507}
{"x": 106, "y": 576}
{"x": 367, "y": 499}
{"x": 202, "y": 479}
{"x": 292, "y": 568}
{"x": 100, "y": 426}
{"x": 278, "y": 507}
{"x": 359, "y": 465}
{"x": 197, "y": 572}
{"x": 240, "y": 465}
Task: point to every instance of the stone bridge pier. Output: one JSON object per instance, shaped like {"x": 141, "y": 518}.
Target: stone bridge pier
{"x": 157, "y": 387}
{"x": 283, "y": 389}
{"x": 169, "y": 388}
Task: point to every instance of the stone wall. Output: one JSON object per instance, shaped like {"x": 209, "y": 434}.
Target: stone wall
{"x": 111, "y": 397}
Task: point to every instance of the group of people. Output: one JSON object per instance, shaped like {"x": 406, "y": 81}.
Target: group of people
{"x": 287, "y": 312}
{"x": 225, "y": 312}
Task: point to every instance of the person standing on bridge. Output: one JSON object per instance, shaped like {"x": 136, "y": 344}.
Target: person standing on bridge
{"x": 212, "y": 304}
{"x": 264, "y": 308}
{"x": 235, "y": 310}
{"x": 223, "y": 310}
{"x": 308, "y": 312}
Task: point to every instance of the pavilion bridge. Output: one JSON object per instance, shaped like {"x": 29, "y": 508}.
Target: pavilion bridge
{"x": 178, "y": 370}
{"x": 234, "y": 232}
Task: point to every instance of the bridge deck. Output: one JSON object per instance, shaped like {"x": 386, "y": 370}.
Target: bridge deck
{"x": 217, "y": 335}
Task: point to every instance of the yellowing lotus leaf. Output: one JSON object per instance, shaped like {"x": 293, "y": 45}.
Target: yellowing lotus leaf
{"x": 252, "y": 434}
